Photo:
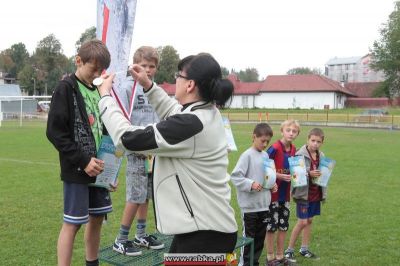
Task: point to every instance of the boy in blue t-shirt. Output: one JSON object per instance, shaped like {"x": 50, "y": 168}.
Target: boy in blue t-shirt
{"x": 280, "y": 151}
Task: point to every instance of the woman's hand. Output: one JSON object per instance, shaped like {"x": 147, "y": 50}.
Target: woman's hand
{"x": 106, "y": 86}
{"x": 139, "y": 74}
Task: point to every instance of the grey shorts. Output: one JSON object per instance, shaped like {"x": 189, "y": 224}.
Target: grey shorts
{"x": 138, "y": 183}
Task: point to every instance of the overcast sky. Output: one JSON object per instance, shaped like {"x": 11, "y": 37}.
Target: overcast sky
{"x": 270, "y": 35}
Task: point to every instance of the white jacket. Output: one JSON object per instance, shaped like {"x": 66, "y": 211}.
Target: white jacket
{"x": 191, "y": 190}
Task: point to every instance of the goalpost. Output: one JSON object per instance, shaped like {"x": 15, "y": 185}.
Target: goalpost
{"x": 23, "y": 108}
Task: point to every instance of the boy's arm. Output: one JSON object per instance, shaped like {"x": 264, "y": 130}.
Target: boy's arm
{"x": 238, "y": 175}
{"x": 58, "y": 131}
{"x": 163, "y": 105}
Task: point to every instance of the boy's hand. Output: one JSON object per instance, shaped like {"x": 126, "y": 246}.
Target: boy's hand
{"x": 95, "y": 167}
{"x": 140, "y": 74}
{"x": 274, "y": 188}
{"x": 256, "y": 186}
{"x": 106, "y": 86}
{"x": 315, "y": 173}
{"x": 113, "y": 187}
{"x": 283, "y": 177}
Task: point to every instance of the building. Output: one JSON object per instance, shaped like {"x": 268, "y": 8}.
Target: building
{"x": 13, "y": 104}
{"x": 285, "y": 91}
{"x": 352, "y": 69}
{"x": 6, "y": 78}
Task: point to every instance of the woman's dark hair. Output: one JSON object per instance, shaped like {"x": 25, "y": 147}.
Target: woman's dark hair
{"x": 206, "y": 72}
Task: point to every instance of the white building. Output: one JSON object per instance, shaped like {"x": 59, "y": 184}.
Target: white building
{"x": 286, "y": 91}
{"x": 352, "y": 69}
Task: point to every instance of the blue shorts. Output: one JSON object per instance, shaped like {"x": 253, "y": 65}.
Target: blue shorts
{"x": 305, "y": 210}
{"x": 81, "y": 200}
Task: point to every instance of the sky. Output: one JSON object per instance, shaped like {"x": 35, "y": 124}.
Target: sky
{"x": 269, "y": 35}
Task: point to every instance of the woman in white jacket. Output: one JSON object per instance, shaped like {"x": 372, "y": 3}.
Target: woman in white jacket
{"x": 191, "y": 190}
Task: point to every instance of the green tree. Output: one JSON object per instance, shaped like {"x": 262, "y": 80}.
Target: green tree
{"x": 168, "y": 64}
{"x": 386, "y": 54}
{"x": 248, "y": 75}
{"x": 89, "y": 34}
{"x": 225, "y": 72}
{"x": 26, "y": 78}
{"x": 300, "y": 71}
{"x": 20, "y": 56}
{"x": 48, "y": 58}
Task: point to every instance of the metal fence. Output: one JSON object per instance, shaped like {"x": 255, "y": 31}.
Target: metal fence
{"x": 22, "y": 110}
{"x": 327, "y": 119}
{"x": 25, "y": 110}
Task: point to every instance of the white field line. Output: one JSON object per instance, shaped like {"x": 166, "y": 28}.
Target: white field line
{"x": 27, "y": 162}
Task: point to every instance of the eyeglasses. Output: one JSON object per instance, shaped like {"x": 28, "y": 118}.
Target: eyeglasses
{"x": 178, "y": 75}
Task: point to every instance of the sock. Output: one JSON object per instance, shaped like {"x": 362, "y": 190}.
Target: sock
{"x": 141, "y": 228}
{"x": 290, "y": 249}
{"x": 303, "y": 248}
{"x": 92, "y": 262}
{"x": 123, "y": 233}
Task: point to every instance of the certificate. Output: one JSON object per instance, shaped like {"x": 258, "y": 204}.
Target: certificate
{"x": 112, "y": 163}
{"x": 298, "y": 171}
{"x": 229, "y": 135}
{"x": 326, "y": 166}
{"x": 270, "y": 173}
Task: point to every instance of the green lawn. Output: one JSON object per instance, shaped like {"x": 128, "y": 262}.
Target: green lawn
{"x": 358, "y": 225}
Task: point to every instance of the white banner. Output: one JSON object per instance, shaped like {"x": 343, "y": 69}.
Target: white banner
{"x": 115, "y": 20}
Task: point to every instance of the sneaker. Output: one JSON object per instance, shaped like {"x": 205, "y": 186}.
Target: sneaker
{"x": 289, "y": 255}
{"x": 308, "y": 254}
{"x": 126, "y": 248}
{"x": 148, "y": 241}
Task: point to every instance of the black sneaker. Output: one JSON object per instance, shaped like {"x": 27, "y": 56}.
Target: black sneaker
{"x": 289, "y": 255}
{"x": 126, "y": 248}
{"x": 308, "y": 254}
{"x": 148, "y": 241}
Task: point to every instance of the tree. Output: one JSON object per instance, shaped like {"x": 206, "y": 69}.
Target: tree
{"x": 386, "y": 54}
{"x": 26, "y": 78}
{"x": 303, "y": 71}
{"x": 168, "y": 64}
{"x": 89, "y": 34}
{"x": 248, "y": 75}
{"x": 6, "y": 62}
{"x": 20, "y": 56}
{"x": 48, "y": 58}
{"x": 225, "y": 72}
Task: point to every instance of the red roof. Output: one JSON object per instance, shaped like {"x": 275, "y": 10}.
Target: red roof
{"x": 302, "y": 83}
{"x": 245, "y": 88}
{"x": 362, "y": 89}
{"x": 169, "y": 88}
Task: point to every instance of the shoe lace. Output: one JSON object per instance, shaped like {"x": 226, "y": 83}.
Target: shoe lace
{"x": 127, "y": 244}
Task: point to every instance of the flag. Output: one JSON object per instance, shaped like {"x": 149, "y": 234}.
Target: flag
{"x": 115, "y": 21}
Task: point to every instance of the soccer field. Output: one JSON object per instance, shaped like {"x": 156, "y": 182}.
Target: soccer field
{"x": 359, "y": 223}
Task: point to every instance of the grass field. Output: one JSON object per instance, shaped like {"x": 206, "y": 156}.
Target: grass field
{"x": 359, "y": 224}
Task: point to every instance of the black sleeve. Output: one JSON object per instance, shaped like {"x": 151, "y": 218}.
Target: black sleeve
{"x": 58, "y": 129}
{"x": 174, "y": 129}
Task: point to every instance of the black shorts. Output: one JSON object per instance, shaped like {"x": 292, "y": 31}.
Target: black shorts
{"x": 82, "y": 200}
{"x": 279, "y": 213}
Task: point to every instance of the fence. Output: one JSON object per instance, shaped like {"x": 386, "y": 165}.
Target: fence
{"x": 327, "y": 119}
{"x": 20, "y": 110}
{"x": 27, "y": 110}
